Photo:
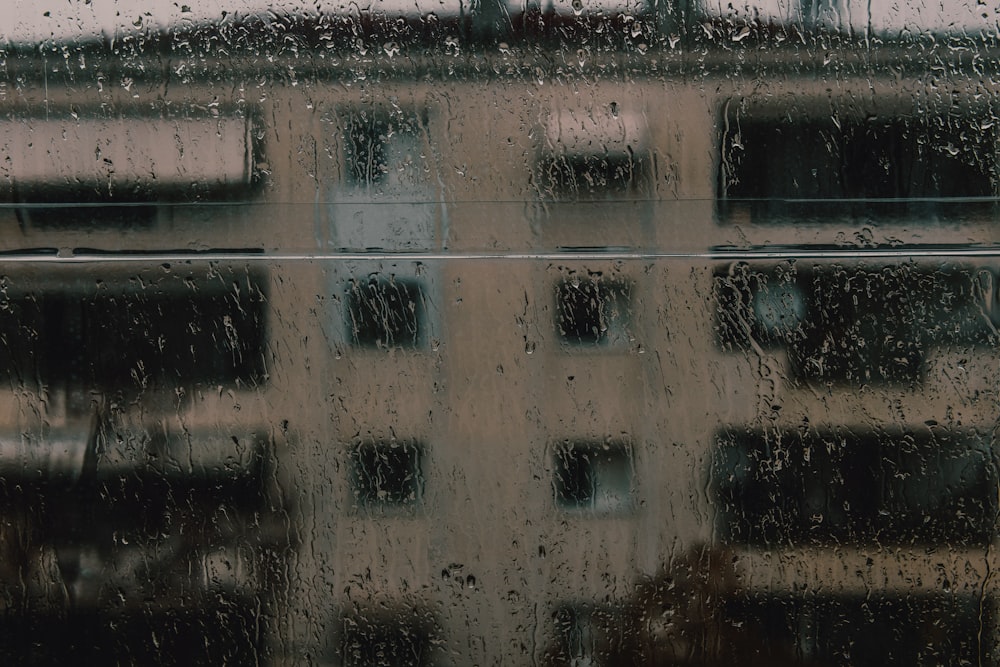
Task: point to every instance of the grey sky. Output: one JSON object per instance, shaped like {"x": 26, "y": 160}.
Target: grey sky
{"x": 36, "y": 20}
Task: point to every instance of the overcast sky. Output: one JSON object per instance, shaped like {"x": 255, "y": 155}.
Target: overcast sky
{"x": 47, "y": 19}
{"x": 37, "y": 20}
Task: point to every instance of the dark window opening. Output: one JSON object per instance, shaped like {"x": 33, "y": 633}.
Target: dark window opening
{"x": 586, "y": 176}
{"x": 149, "y": 501}
{"x": 855, "y": 325}
{"x": 591, "y": 311}
{"x": 387, "y": 474}
{"x": 162, "y": 333}
{"x": 65, "y": 208}
{"x": 802, "y": 169}
{"x": 378, "y": 145}
{"x": 590, "y": 634}
{"x": 215, "y": 632}
{"x": 88, "y": 216}
{"x": 385, "y": 312}
{"x": 872, "y": 630}
{"x": 400, "y": 640}
{"x": 854, "y": 485}
{"x": 415, "y": 31}
{"x": 593, "y": 475}
{"x": 134, "y": 545}
{"x": 366, "y": 152}
{"x": 875, "y": 629}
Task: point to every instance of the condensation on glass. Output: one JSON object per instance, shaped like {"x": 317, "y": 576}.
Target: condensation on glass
{"x": 554, "y": 333}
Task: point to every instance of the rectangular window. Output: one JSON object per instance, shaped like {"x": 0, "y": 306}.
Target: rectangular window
{"x": 594, "y": 476}
{"x": 798, "y": 167}
{"x": 153, "y": 461}
{"x": 388, "y": 197}
{"x": 162, "y": 330}
{"x": 875, "y": 629}
{"x": 387, "y": 474}
{"x": 217, "y": 630}
{"x": 593, "y": 155}
{"x": 856, "y": 325}
{"x": 90, "y": 173}
{"x": 391, "y": 639}
{"x": 385, "y": 312}
{"x": 153, "y": 517}
{"x": 129, "y": 158}
{"x": 854, "y": 485}
{"x": 590, "y": 634}
{"x": 88, "y": 216}
{"x": 592, "y": 311}
{"x": 586, "y": 176}
{"x": 384, "y": 150}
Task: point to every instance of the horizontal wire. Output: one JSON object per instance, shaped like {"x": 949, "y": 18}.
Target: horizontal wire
{"x": 735, "y": 254}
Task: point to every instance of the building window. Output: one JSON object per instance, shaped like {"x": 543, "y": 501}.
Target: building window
{"x": 590, "y": 634}
{"x": 219, "y": 629}
{"x": 96, "y": 171}
{"x": 389, "y": 195}
{"x": 794, "y": 168}
{"x": 854, "y": 485}
{"x": 591, "y": 176}
{"x": 385, "y": 149}
{"x": 399, "y": 639}
{"x": 594, "y": 476}
{"x": 855, "y": 325}
{"x": 384, "y": 312}
{"x": 157, "y": 330}
{"x": 591, "y": 311}
{"x": 873, "y": 628}
{"x": 88, "y": 216}
{"x": 367, "y": 136}
{"x": 387, "y": 474}
{"x": 592, "y": 155}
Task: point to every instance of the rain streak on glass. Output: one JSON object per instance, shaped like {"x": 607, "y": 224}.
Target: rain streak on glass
{"x": 562, "y": 333}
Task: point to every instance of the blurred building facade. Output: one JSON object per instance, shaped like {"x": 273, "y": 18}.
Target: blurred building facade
{"x": 565, "y": 335}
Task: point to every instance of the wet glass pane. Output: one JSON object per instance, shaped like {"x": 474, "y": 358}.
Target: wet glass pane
{"x": 582, "y": 332}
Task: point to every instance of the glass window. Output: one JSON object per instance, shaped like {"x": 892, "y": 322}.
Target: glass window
{"x": 556, "y": 332}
